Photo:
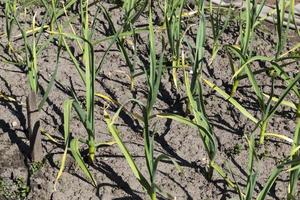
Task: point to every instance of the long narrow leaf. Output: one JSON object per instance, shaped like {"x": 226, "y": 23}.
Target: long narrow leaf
{"x": 79, "y": 160}
{"x": 232, "y": 101}
{"x": 112, "y": 129}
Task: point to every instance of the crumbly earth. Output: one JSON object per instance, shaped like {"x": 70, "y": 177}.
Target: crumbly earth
{"x": 20, "y": 178}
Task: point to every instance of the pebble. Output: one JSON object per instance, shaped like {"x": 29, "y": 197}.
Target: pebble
{"x": 14, "y": 124}
{"x": 219, "y": 82}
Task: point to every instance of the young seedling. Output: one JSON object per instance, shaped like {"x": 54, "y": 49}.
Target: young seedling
{"x": 173, "y": 13}
{"x": 283, "y": 23}
{"x": 252, "y": 13}
{"x": 205, "y": 130}
{"x": 153, "y": 75}
{"x": 252, "y": 174}
{"x": 294, "y": 174}
{"x": 217, "y": 27}
{"x": 295, "y": 154}
{"x": 32, "y": 51}
{"x": 10, "y": 12}
{"x": 194, "y": 93}
{"x": 86, "y": 113}
{"x": 130, "y": 17}
{"x": 249, "y": 20}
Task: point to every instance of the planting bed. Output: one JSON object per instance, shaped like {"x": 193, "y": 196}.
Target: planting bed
{"x": 22, "y": 179}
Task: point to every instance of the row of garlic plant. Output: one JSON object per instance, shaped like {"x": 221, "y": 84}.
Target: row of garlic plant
{"x": 268, "y": 103}
{"x": 193, "y": 85}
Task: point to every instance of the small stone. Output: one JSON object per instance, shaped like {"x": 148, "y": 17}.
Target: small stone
{"x": 219, "y": 82}
{"x": 204, "y": 161}
{"x": 14, "y": 124}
